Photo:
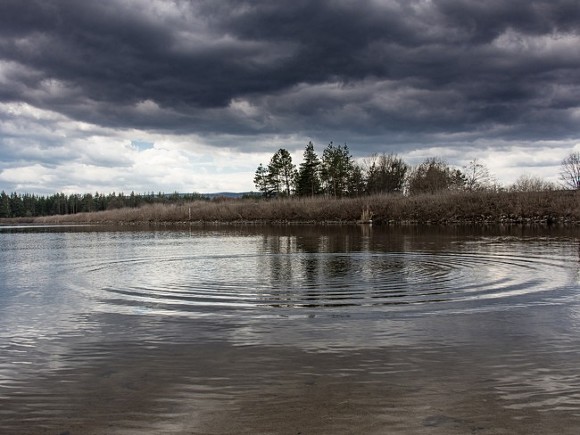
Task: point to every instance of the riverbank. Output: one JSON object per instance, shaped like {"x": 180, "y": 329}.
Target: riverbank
{"x": 548, "y": 207}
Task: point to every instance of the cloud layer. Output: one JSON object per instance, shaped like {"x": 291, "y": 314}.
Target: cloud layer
{"x": 226, "y": 83}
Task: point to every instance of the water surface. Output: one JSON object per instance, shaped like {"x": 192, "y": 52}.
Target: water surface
{"x": 289, "y": 330}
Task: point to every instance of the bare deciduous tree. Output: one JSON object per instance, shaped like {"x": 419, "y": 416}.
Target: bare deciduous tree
{"x": 477, "y": 176}
{"x": 570, "y": 171}
{"x": 531, "y": 183}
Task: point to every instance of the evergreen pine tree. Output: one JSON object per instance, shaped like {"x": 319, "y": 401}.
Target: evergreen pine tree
{"x": 308, "y": 180}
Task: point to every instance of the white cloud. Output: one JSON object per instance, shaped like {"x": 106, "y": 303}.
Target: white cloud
{"x": 46, "y": 152}
{"x": 505, "y": 160}
{"x": 32, "y": 174}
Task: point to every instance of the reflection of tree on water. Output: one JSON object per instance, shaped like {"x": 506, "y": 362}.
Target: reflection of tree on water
{"x": 578, "y": 270}
{"x": 300, "y": 268}
{"x": 336, "y": 266}
{"x": 321, "y": 266}
{"x": 347, "y": 267}
{"x": 278, "y": 263}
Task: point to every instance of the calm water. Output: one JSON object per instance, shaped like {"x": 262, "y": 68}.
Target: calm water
{"x": 289, "y": 330}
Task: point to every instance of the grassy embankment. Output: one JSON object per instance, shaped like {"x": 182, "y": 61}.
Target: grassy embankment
{"x": 444, "y": 208}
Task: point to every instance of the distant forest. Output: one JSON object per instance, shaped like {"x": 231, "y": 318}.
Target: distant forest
{"x": 28, "y": 205}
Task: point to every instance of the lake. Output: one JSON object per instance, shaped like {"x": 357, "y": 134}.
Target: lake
{"x": 290, "y": 330}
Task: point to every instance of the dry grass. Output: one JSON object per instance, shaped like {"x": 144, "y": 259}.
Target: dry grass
{"x": 448, "y": 207}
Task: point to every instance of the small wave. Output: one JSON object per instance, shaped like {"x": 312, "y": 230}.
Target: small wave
{"x": 214, "y": 283}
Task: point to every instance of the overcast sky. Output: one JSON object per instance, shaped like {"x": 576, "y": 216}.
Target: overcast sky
{"x": 145, "y": 95}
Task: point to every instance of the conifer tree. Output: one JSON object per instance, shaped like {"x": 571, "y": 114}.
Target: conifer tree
{"x": 262, "y": 181}
{"x": 336, "y": 170}
{"x": 5, "y": 210}
{"x": 282, "y": 172}
{"x": 308, "y": 180}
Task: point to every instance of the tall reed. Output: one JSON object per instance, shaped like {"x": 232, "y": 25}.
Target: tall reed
{"x": 446, "y": 207}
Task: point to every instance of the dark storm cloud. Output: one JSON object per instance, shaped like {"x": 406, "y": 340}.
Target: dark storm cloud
{"x": 403, "y": 68}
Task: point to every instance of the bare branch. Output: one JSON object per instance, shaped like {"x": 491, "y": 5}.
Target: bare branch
{"x": 570, "y": 171}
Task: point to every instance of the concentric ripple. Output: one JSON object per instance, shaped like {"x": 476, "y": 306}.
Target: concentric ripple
{"x": 207, "y": 284}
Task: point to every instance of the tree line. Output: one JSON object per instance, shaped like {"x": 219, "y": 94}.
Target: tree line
{"x": 30, "y": 205}
{"x": 337, "y": 174}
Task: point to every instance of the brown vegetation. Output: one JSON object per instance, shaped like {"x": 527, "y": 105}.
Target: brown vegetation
{"x": 444, "y": 207}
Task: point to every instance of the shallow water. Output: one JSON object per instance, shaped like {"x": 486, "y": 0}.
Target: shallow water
{"x": 289, "y": 330}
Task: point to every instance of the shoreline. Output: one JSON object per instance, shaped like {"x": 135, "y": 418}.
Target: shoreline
{"x": 515, "y": 222}
{"x": 448, "y": 208}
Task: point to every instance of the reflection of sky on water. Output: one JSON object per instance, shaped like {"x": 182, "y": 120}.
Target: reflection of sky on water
{"x": 58, "y": 279}
{"x": 70, "y": 301}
